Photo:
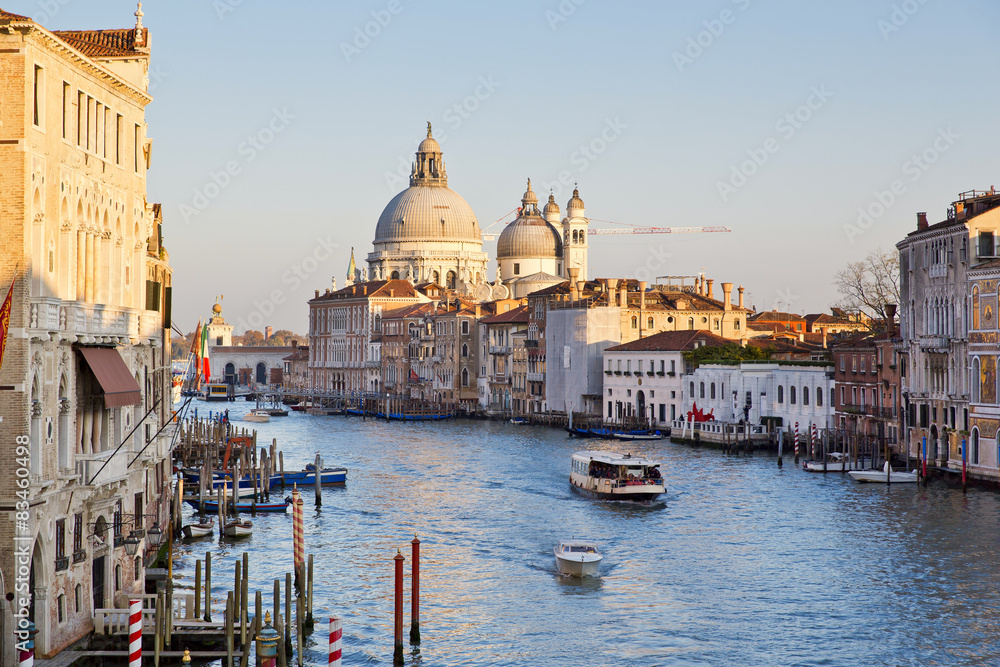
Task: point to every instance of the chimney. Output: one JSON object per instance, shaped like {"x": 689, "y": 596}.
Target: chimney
{"x": 710, "y": 281}
{"x": 623, "y": 294}
{"x": 727, "y": 296}
{"x": 700, "y": 285}
{"x": 574, "y": 279}
{"x": 477, "y": 311}
{"x": 317, "y": 294}
{"x": 295, "y": 343}
{"x": 921, "y": 220}
{"x": 740, "y": 290}
{"x": 890, "y": 312}
{"x": 642, "y": 295}
{"x": 824, "y": 336}
{"x": 802, "y": 337}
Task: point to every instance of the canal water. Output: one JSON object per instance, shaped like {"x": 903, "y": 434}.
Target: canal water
{"x": 741, "y": 564}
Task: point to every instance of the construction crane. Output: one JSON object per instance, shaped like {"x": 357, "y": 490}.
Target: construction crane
{"x": 626, "y": 228}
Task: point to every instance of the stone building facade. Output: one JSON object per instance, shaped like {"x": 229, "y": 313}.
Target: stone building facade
{"x": 87, "y": 358}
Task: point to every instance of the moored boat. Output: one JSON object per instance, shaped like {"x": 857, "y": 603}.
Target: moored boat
{"x": 613, "y": 476}
{"x": 884, "y": 476}
{"x": 307, "y": 477}
{"x": 238, "y": 529}
{"x": 212, "y": 506}
{"x": 578, "y": 558}
{"x": 835, "y": 462}
{"x": 195, "y": 530}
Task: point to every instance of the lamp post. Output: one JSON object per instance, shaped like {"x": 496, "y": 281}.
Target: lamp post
{"x": 267, "y": 642}
{"x": 131, "y": 544}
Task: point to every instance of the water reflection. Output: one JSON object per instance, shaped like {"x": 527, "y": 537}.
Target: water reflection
{"x": 741, "y": 562}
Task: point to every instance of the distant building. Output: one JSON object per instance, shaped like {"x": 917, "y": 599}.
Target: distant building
{"x": 867, "y": 390}
{"x": 643, "y": 378}
{"x": 497, "y": 335}
{"x": 296, "y": 375}
{"x": 790, "y": 321}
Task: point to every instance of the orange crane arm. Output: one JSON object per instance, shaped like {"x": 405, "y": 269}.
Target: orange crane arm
{"x": 658, "y": 230}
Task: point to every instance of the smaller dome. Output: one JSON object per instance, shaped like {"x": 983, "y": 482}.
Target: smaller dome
{"x": 529, "y": 237}
{"x": 551, "y": 206}
{"x": 429, "y": 145}
{"x": 575, "y": 202}
{"x": 529, "y": 196}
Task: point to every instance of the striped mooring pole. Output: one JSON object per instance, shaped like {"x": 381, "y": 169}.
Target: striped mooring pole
{"x": 813, "y": 443}
{"x": 335, "y": 634}
{"x": 135, "y": 633}
{"x": 26, "y": 643}
{"x": 298, "y": 530}
{"x": 796, "y": 443}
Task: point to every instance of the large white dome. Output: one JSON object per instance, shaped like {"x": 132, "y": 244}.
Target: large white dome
{"x": 427, "y": 213}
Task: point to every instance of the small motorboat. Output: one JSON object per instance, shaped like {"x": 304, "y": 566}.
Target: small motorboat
{"x": 258, "y": 416}
{"x": 307, "y": 477}
{"x": 195, "y": 530}
{"x": 884, "y": 476}
{"x": 640, "y": 435}
{"x": 238, "y": 529}
{"x": 578, "y": 558}
{"x": 835, "y": 462}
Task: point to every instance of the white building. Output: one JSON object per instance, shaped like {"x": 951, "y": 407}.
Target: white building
{"x": 643, "y": 378}
{"x": 428, "y": 233}
{"x": 792, "y": 392}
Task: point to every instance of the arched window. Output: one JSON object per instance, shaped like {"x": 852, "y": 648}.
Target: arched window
{"x": 976, "y": 380}
{"x": 635, "y": 322}
{"x": 691, "y": 393}
{"x": 394, "y": 275}
{"x": 465, "y": 351}
{"x": 465, "y": 377}
{"x": 378, "y": 323}
{"x": 781, "y": 394}
{"x": 975, "y": 307}
{"x": 715, "y": 323}
{"x": 819, "y": 396}
{"x": 691, "y": 323}
{"x": 974, "y": 449}
{"x": 791, "y": 395}
{"x": 805, "y": 395}
{"x": 701, "y": 391}
{"x": 649, "y": 322}
{"x": 712, "y": 390}
{"x": 261, "y": 374}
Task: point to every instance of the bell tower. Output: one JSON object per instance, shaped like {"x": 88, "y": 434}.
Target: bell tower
{"x": 575, "y": 245}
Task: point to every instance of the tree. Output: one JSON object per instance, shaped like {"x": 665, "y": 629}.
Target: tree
{"x": 867, "y": 286}
{"x": 730, "y": 352}
{"x": 252, "y": 337}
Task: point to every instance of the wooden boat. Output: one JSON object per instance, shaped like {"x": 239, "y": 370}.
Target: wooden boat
{"x": 613, "y": 476}
{"x": 238, "y": 529}
{"x": 579, "y": 432}
{"x": 835, "y": 462}
{"x": 258, "y": 416}
{"x": 884, "y": 476}
{"x": 307, "y": 477}
{"x": 578, "y": 558}
{"x": 195, "y": 530}
{"x": 519, "y": 421}
{"x": 639, "y": 435}
{"x": 212, "y": 506}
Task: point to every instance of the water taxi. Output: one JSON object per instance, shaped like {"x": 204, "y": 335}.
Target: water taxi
{"x": 578, "y": 558}
{"x": 217, "y": 392}
{"x": 613, "y": 476}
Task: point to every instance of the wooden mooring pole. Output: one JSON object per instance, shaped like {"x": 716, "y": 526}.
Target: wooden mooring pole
{"x": 415, "y": 593}
{"x": 397, "y": 651}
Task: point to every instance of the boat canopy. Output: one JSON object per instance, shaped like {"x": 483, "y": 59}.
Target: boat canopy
{"x": 614, "y": 458}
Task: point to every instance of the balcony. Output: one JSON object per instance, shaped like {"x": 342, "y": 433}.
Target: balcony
{"x": 499, "y": 349}
{"x": 536, "y": 377}
{"x": 49, "y": 315}
{"x": 937, "y": 344}
{"x": 88, "y": 465}
{"x": 938, "y": 270}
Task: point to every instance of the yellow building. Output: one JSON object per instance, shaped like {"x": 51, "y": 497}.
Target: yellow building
{"x": 84, "y": 384}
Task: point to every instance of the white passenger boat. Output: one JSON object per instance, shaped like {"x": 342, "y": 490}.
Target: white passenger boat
{"x": 578, "y": 558}
{"x": 238, "y": 529}
{"x": 835, "y": 462}
{"x": 259, "y": 416}
{"x": 884, "y": 476}
{"x": 613, "y": 476}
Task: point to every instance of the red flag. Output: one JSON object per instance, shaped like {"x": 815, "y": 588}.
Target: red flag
{"x": 195, "y": 341}
{"x": 5, "y": 317}
{"x": 413, "y": 376}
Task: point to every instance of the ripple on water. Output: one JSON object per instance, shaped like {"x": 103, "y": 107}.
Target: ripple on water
{"x": 740, "y": 563}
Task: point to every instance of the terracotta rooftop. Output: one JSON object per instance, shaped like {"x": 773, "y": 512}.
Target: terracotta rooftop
{"x": 776, "y": 316}
{"x": 514, "y": 315}
{"x": 672, "y": 341}
{"x": 301, "y": 353}
{"x": 375, "y": 288}
{"x": 118, "y": 43}
{"x": 414, "y": 310}
{"x": 10, "y": 16}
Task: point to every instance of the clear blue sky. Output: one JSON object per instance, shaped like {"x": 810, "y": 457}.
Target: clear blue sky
{"x": 886, "y": 80}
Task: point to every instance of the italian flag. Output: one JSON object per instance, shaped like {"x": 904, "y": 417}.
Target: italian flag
{"x": 204, "y": 352}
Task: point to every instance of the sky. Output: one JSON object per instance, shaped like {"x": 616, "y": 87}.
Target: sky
{"x": 814, "y": 130}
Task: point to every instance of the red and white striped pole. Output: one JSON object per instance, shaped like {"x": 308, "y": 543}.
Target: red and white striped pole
{"x": 298, "y": 529}
{"x": 815, "y": 439}
{"x": 26, "y": 652}
{"x": 796, "y": 443}
{"x": 135, "y": 633}
{"x": 335, "y": 635}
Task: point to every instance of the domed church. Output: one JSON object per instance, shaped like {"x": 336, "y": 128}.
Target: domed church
{"x": 428, "y": 233}
{"x": 538, "y": 250}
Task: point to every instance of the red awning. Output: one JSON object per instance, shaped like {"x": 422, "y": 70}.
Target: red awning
{"x": 119, "y": 386}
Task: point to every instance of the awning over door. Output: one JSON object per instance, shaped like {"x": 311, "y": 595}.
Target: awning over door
{"x": 112, "y": 374}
